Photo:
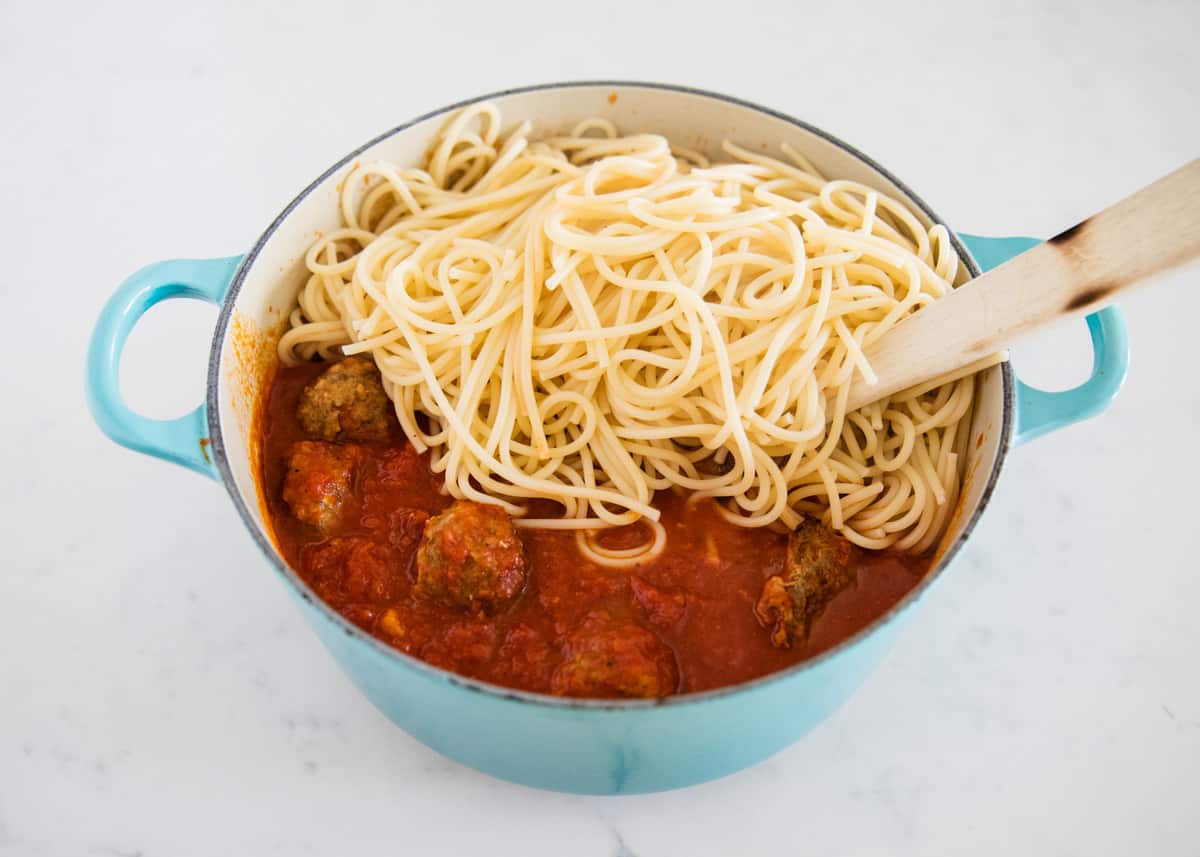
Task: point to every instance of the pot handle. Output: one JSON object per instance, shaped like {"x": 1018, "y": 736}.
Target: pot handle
{"x": 183, "y": 440}
{"x": 1039, "y": 411}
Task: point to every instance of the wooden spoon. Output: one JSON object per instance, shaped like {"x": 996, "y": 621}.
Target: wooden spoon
{"x": 1075, "y": 272}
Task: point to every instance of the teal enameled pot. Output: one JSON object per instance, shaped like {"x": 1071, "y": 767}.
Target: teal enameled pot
{"x": 597, "y": 747}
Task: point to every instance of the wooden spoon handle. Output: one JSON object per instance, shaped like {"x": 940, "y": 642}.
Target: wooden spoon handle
{"x": 1076, "y": 271}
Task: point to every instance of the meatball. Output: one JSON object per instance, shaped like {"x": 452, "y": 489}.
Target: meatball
{"x": 817, "y": 569}
{"x": 606, "y": 659}
{"x": 345, "y": 402}
{"x": 319, "y": 481}
{"x": 471, "y": 559}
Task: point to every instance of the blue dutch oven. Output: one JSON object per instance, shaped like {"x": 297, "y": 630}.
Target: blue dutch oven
{"x": 587, "y": 746}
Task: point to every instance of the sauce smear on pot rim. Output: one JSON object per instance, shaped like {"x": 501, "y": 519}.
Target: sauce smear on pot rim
{"x": 690, "y": 619}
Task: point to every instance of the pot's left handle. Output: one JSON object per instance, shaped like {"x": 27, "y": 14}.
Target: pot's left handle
{"x": 183, "y": 440}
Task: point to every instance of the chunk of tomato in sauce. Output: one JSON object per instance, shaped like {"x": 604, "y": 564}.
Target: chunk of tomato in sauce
{"x": 526, "y": 658}
{"x": 663, "y": 606}
{"x": 399, "y": 477}
{"x": 349, "y": 569}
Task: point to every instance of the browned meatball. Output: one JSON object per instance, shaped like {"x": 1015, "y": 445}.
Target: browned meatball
{"x": 606, "y": 659}
{"x": 471, "y": 559}
{"x": 318, "y": 481}
{"x": 345, "y": 402}
{"x": 817, "y": 569}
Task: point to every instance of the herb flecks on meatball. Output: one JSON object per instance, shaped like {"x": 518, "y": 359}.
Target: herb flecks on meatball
{"x": 608, "y": 659}
{"x": 471, "y": 559}
{"x": 818, "y": 568}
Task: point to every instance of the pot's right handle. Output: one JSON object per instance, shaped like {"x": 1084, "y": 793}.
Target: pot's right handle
{"x": 183, "y": 440}
{"x": 1039, "y": 411}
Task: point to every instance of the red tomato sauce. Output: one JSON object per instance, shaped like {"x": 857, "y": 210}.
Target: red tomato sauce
{"x": 698, "y": 596}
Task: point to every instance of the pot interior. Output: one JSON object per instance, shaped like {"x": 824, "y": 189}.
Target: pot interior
{"x": 264, "y": 290}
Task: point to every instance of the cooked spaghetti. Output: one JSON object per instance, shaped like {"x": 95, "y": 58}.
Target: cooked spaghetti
{"x": 592, "y": 318}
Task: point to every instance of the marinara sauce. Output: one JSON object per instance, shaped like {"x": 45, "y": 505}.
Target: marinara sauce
{"x": 698, "y": 596}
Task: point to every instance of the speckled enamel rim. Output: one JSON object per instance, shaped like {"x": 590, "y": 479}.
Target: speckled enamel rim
{"x": 302, "y": 589}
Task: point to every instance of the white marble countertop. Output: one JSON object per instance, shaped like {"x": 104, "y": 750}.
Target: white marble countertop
{"x": 160, "y": 692}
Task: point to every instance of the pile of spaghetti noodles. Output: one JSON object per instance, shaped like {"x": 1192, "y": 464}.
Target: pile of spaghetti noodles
{"x": 591, "y": 318}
